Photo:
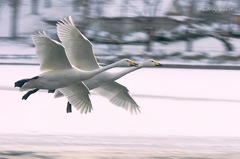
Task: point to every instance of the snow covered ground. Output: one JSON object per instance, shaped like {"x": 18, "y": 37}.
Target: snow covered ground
{"x": 206, "y": 51}
{"x": 178, "y": 102}
{"x": 186, "y": 113}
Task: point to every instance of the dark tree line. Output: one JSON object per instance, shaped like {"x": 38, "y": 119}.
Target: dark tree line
{"x": 15, "y": 6}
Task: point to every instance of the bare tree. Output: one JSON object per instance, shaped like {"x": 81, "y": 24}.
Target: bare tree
{"x": 150, "y": 10}
{"x": 87, "y": 9}
{"x": 85, "y": 12}
{"x": 14, "y": 17}
{"x": 147, "y": 12}
{"x": 75, "y": 5}
{"x": 0, "y": 9}
{"x": 48, "y": 3}
{"x": 191, "y": 13}
{"x": 34, "y": 8}
{"x": 99, "y": 6}
{"x": 124, "y": 7}
{"x": 238, "y": 1}
{"x": 211, "y": 3}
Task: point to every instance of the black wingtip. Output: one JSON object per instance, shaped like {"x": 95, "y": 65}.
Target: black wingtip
{"x": 21, "y": 82}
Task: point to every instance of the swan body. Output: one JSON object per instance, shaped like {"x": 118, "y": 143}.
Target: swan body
{"x": 55, "y": 79}
{"x": 51, "y": 80}
{"x": 79, "y": 48}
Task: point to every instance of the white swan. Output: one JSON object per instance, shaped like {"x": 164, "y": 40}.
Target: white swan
{"x": 59, "y": 72}
{"x": 104, "y": 85}
{"x": 79, "y": 48}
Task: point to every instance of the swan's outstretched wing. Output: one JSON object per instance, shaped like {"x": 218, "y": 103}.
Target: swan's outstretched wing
{"x": 50, "y": 53}
{"x": 118, "y": 95}
{"x": 78, "y": 48}
{"x": 80, "y": 53}
{"x": 78, "y": 96}
{"x": 51, "y": 56}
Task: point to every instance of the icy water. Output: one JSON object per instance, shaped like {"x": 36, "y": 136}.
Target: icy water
{"x": 186, "y": 114}
{"x": 108, "y": 147}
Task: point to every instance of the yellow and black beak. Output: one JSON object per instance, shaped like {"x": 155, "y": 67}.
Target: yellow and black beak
{"x": 157, "y": 63}
{"x": 132, "y": 63}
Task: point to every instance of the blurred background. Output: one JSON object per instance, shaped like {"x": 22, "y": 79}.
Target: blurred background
{"x": 187, "y": 31}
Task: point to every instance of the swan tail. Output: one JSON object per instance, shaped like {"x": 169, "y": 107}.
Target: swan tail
{"x": 21, "y": 82}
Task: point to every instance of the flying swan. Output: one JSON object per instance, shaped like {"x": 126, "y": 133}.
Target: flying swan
{"x": 104, "y": 85}
{"x": 80, "y": 53}
{"x": 59, "y": 72}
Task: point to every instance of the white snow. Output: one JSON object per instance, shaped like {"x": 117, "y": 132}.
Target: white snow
{"x": 178, "y": 102}
{"x": 173, "y": 101}
{"x": 12, "y": 52}
{"x": 136, "y": 36}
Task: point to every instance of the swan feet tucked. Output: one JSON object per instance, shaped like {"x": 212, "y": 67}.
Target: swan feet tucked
{"x": 25, "y": 97}
{"x": 21, "y": 82}
{"x": 69, "y": 107}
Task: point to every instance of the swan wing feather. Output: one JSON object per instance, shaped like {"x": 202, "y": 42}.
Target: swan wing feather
{"x": 118, "y": 95}
{"x": 57, "y": 94}
{"x": 78, "y": 96}
{"x": 50, "y": 53}
{"x": 78, "y": 48}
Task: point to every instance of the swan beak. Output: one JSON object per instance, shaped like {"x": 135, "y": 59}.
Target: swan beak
{"x": 157, "y": 63}
{"x": 132, "y": 63}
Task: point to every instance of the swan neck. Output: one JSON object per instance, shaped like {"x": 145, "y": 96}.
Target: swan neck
{"x": 101, "y": 69}
{"x": 124, "y": 72}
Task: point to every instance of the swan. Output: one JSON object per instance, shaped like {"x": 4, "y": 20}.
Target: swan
{"x": 54, "y": 79}
{"x": 59, "y": 72}
{"x": 104, "y": 85}
{"x": 79, "y": 48}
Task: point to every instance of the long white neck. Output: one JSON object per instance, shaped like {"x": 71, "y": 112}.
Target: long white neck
{"x": 92, "y": 73}
{"x": 124, "y": 72}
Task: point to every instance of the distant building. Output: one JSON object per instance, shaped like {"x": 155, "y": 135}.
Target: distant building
{"x": 236, "y": 18}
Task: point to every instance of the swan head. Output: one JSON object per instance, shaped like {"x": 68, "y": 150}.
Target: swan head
{"x": 150, "y": 63}
{"x": 126, "y": 62}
